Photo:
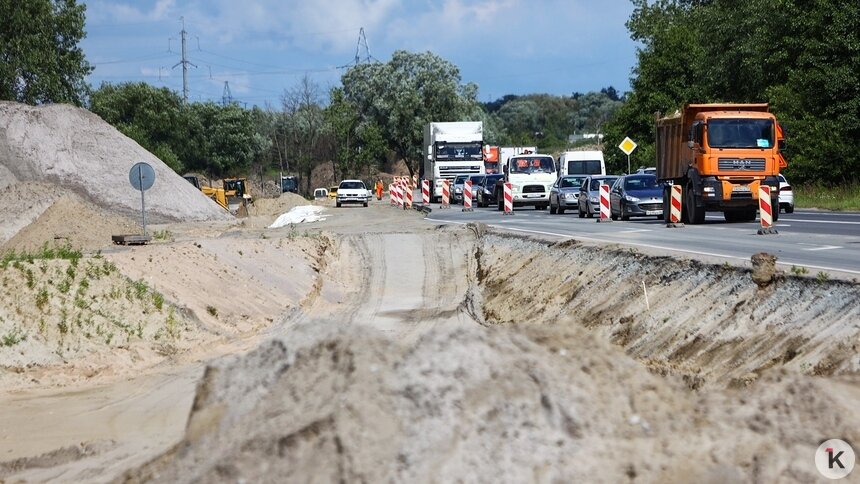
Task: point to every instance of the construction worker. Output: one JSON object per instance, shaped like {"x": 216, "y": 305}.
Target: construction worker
{"x": 378, "y": 189}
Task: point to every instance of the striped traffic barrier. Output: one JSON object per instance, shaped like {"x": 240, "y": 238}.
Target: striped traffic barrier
{"x": 765, "y": 210}
{"x": 414, "y": 181}
{"x": 604, "y": 203}
{"x": 675, "y": 207}
{"x": 467, "y": 196}
{"x": 391, "y": 200}
{"x": 407, "y": 201}
{"x": 446, "y": 194}
{"x": 425, "y": 192}
{"x": 509, "y": 199}
{"x": 399, "y": 190}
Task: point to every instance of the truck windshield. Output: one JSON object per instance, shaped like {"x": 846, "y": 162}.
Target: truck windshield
{"x": 584, "y": 167}
{"x": 740, "y": 133}
{"x": 459, "y": 151}
{"x": 533, "y": 164}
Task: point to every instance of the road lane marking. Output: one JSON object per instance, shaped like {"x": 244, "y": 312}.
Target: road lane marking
{"x": 823, "y": 221}
{"x": 814, "y": 247}
{"x": 651, "y": 246}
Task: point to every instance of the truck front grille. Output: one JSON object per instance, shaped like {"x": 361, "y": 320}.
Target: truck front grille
{"x": 534, "y": 189}
{"x": 741, "y": 164}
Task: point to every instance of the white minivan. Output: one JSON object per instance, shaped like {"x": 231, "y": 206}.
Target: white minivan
{"x": 581, "y": 163}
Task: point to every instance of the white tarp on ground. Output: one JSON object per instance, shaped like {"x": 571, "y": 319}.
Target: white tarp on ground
{"x": 297, "y": 215}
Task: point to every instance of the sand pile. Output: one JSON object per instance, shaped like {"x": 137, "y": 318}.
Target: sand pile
{"x": 492, "y": 405}
{"x": 22, "y": 203}
{"x": 75, "y": 149}
{"x": 71, "y": 220}
{"x": 273, "y": 207}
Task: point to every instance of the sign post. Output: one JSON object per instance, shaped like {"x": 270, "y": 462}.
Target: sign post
{"x": 627, "y": 146}
{"x": 142, "y": 176}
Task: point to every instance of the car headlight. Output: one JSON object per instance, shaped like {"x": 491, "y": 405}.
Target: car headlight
{"x": 458, "y": 190}
{"x": 570, "y": 196}
{"x": 593, "y": 199}
{"x": 630, "y": 199}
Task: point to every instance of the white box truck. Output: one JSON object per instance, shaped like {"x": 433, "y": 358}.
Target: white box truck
{"x": 581, "y": 163}
{"x": 531, "y": 176}
{"x": 451, "y": 149}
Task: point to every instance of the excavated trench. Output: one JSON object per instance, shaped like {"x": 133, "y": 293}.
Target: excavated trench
{"x": 710, "y": 324}
{"x": 456, "y": 354}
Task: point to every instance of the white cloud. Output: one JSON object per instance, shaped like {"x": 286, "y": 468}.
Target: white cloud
{"x": 122, "y": 12}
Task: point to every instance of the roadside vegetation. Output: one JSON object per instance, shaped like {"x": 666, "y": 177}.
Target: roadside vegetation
{"x": 844, "y": 197}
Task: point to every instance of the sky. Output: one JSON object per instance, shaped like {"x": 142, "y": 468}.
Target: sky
{"x": 263, "y": 47}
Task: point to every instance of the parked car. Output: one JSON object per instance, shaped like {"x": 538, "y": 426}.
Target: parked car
{"x": 352, "y": 191}
{"x": 786, "y": 195}
{"x": 636, "y": 196}
{"x": 486, "y": 195}
{"x": 332, "y": 192}
{"x": 564, "y": 193}
{"x": 646, "y": 170}
{"x": 588, "y": 202}
{"x": 457, "y": 188}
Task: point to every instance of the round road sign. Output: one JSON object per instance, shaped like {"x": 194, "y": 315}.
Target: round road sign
{"x": 141, "y": 176}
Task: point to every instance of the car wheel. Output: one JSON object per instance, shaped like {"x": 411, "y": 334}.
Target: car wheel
{"x": 501, "y": 204}
{"x": 588, "y": 212}
{"x": 613, "y": 215}
{"x": 552, "y": 209}
{"x": 337, "y": 204}
{"x": 624, "y": 215}
{"x": 789, "y": 209}
{"x": 365, "y": 204}
{"x": 579, "y": 209}
{"x": 561, "y": 210}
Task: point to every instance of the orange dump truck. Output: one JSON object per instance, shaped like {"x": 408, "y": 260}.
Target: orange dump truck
{"x": 720, "y": 154}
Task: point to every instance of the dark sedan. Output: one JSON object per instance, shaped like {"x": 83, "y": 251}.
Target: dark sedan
{"x": 486, "y": 193}
{"x": 636, "y": 196}
{"x": 564, "y": 193}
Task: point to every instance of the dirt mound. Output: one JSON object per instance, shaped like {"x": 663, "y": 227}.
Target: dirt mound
{"x": 74, "y": 221}
{"x": 272, "y": 207}
{"x": 496, "y": 405}
{"x": 75, "y": 149}
{"x": 464, "y": 403}
{"x": 22, "y": 203}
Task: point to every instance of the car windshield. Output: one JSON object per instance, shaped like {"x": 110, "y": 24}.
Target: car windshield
{"x": 476, "y": 180}
{"x": 596, "y": 182}
{"x": 460, "y": 179}
{"x": 532, "y": 164}
{"x": 351, "y": 185}
{"x": 740, "y": 133}
{"x": 644, "y": 182}
{"x": 571, "y": 182}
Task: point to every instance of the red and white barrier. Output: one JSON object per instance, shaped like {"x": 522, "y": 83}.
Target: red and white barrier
{"x": 675, "y": 205}
{"x": 467, "y": 196}
{"x": 509, "y": 199}
{"x": 446, "y": 194}
{"x": 765, "y": 210}
{"x": 425, "y": 192}
{"x": 399, "y": 189}
{"x": 604, "y": 204}
{"x": 391, "y": 198}
{"x": 407, "y": 201}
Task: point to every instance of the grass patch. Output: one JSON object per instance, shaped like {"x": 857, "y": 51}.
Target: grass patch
{"x": 212, "y": 310}
{"x": 13, "y": 337}
{"x": 844, "y": 197}
{"x": 57, "y": 251}
{"x": 162, "y": 235}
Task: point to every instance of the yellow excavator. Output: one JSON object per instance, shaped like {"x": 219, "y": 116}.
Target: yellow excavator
{"x": 233, "y": 197}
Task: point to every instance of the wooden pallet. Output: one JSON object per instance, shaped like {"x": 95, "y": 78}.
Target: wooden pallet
{"x": 130, "y": 239}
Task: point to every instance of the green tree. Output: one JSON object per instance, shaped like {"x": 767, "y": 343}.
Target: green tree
{"x": 405, "y": 94}
{"x": 154, "y": 117}
{"x": 40, "y": 61}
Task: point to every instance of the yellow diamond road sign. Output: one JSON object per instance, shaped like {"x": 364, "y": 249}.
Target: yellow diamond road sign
{"x": 627, "y": 146}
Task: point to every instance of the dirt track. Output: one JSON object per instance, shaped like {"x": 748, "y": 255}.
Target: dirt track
{"x": 384, "y": 347}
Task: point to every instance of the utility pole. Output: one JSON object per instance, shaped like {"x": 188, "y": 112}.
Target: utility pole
{"x": 184, "y": 63}
{"x": 227, "y": 97}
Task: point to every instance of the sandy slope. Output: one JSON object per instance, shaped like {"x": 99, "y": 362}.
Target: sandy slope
{"x": 402, "y": 351}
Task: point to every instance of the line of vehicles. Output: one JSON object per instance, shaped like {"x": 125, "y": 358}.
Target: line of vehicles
{"x": 720, "y": 154}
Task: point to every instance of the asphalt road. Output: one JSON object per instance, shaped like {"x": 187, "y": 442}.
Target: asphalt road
{"x": 814, "y": 240}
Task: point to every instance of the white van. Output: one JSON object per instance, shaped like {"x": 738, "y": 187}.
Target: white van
{"x": 581, "y": 163}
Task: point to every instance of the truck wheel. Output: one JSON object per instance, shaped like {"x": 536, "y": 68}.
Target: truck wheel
{"x": 775, "y": 212}
{"x": 501, "y": 203}
{"x": 667, "y": 206}
{"x": 789, "y": 209}
{"x": 695, "y": 214}
{"x": 748, "y": 215}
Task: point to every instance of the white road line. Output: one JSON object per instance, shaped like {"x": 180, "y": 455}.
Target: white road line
{"x": 651, "y": 246}
{"x": 823, "y": 221}
{"x": 634, "y": 231}
{"x": 821, "y": 247}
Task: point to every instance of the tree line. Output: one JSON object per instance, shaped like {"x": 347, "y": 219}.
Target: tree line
{"x": 803, "y": 59}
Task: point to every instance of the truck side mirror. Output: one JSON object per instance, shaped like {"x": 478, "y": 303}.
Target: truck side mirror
{"x": 505, "y": 169}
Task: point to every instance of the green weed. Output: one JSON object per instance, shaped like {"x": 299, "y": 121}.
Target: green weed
{"x": 822, "y": 276}
{"x": 798, "y": 271}
{"x": 212, "y": 310}
{"x": 42, "y": 299}
{"x": 844, "y": 197}
{"x": 13, "y": 337}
